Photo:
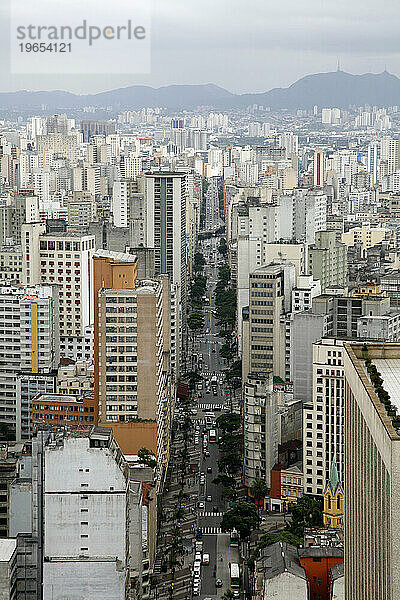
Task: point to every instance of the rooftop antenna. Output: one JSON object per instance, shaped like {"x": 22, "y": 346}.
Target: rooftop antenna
{"x": 338, "y": 69}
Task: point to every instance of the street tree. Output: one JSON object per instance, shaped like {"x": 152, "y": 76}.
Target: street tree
{"x": 147, "y": 458}
{"x": 259, "y": 489}
{"x": 228, "y": 422}
{"x": 307, "y": 512}
{"x": 243, "y": 517}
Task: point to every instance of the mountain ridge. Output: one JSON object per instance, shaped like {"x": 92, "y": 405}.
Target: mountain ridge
{"x": 335, "y": 89}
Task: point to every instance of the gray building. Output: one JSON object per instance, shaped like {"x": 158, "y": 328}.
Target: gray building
{"x": 327, "y": 260}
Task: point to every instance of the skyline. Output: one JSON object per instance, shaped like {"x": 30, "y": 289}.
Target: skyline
{"x": 186, "y": 40}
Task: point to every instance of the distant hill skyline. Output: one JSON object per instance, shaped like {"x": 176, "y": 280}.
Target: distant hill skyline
{"x": 332, "y": 89}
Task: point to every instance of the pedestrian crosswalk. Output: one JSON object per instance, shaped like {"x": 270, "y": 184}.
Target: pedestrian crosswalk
{"x": 211, "y": 530}
{"x": 211, "y": 514}
{"x": 210, "y": 407}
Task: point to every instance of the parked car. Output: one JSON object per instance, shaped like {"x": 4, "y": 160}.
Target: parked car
{"x": 206, "y": 559}
{"x": 209, "y": 499}
{"x": 218, "y": 583}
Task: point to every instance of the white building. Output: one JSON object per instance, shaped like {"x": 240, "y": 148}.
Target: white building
{"x": 29, "y": 345}
{"x": 323, "y": 419}
{"x": 63, "y": 259}
{"x": 85, "y": 517}
{"x": 306, "y": 289}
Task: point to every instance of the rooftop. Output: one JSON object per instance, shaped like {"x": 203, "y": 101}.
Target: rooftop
{"x": 7, "y": 548}
{"x": 121, "y": 256}
{"x": 280, "y": 558}
{"x": 389, "y": 368}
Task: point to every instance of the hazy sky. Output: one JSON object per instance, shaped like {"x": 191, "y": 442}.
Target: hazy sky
{"x": 242, "y": 45}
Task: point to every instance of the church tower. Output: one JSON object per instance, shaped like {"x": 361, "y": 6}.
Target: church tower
{"x": 333, "y": 500}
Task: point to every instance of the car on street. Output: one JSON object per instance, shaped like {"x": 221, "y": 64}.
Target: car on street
{"x": 206, "y": 559}
{"x": 218, "y": 583}
{"x": 209, "y": 499}
{"x": 209, "y": 469}
{"x": 236, "y": 594}
{"x": 200, "y": 505}
{"x": 215, "y": 509}
{"x": 206, "y": 453}
{"x": 197, "y": 556}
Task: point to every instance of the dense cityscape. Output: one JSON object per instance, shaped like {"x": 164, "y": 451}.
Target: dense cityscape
{"x": 199, "y": 353}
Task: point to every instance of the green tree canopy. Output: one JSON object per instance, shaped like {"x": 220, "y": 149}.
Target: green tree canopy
{"x": 307, "y": 512}
{"x": 196, "y": 321}
{"x": 259, "y": 489}
{"x": 243, "y": 517}
{"x": 228, "y": 422}
{"x": 147, "y": 458}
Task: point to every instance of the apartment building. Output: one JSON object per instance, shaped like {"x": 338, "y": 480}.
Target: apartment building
{"x": 323, "y": 418}
{"x": 62, "y": 258}
{"x": 372, "y": 449}
{"x": 270, "y": 290}
{"x": 11, "y": 264}
{"x": 29, "y": 345}
{"x": 327, "y": 260}
{"x": 260, "y": 428}
{"x": 76, "y": 379}
{"x": 166, "y": 231}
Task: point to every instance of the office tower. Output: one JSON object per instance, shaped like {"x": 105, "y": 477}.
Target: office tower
{"x": 41, "y": 185}
{"x": 15, "y": 210}
{"x": 92, "y": 128}
{"x": 133, "y": 364}
{"x": 270, "y": 290}
{"x": 372, "y": 455}
{"x": 319, "y": 168}
{"x": 323, "y": 418}
{"x": 85, "y": 515}
{"x": 61, "y": 144}
{"x": 309, "y": 215}
{"x": 327, "y": 260}
{"x": 261, "y": 429}
{"x": 290, "y": 142}
{"x": 62, "y": 258}
{"x": 29, "y": 345}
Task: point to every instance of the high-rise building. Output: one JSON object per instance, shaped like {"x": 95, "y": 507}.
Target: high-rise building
{"x": 319, "y": 168}
{"x": 63, "y": 259}
{"x": 85, "y": 515}
{"x": 327, "y": 260}
{"x": 29, "y": 346}
{"x": 372, "y": 455}
{"x": 166, "y": 198}
{"x": 323, "y": 418}
{"x": 270, "y": 289}
{"x": 261, "y": 427}
{"x": 92, "y": 128}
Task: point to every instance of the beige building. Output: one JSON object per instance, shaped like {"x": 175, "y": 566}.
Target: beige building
{"x": 372, "y": 448}
{"x": 365, "y": 235}
{"x": 11, "y": 264}
{"x": 76, "y": 379}
{"x": 270, "y": 289}
{"x": 133, "y": 358}
{"x": 81, "y": 209}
